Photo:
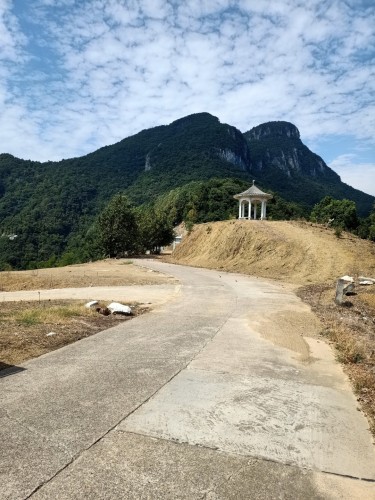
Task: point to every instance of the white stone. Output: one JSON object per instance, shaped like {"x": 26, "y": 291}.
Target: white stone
{"x": 344, "y": 285}
{"x": 92, "y": 303}
{"x": 365, "y": 278}
{"x": 117, "y": 308}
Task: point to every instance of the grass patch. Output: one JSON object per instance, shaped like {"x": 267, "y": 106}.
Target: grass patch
{"x": 27, "y": 318}
{"x": 41, "y": 315}
{"x": 25, "y": 327}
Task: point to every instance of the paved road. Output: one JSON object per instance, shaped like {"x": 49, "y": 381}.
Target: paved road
{"x": 135, "y": 293}
{"x": 224, "y": 392}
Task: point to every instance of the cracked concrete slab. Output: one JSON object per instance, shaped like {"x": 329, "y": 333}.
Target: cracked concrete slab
{"x": 288, "y": 422}
{"x": 125, "y": 465}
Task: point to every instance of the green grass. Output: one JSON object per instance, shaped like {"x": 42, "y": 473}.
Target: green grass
{"x": 49, "y": 315}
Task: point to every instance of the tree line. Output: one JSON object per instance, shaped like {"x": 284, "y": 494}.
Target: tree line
{"x": 122, "y": 228}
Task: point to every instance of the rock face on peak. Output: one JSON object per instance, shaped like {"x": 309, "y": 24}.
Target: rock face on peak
{"x": 273, "y": 129}
{"x": 277, "y": 145}
{"x": 282, "y": 162}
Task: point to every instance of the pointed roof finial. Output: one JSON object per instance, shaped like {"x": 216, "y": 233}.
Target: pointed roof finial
{"x": 253, "y": 182}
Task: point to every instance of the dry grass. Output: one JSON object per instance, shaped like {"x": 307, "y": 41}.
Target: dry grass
{"x": 54, "y": 315}
{"x": 368, "y": 299}
{"x": 351, "y": 329}
{"x": 24, "y": 327}
{"x": 110, "y": 272}
{"x": 291, "y": 251}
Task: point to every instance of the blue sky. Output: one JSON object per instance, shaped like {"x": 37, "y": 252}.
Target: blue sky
{"x": 76, "y": 75}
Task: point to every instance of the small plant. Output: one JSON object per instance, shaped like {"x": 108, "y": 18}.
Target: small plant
{"x": 189, "y": 226}
{"x": 338, "y": 231}
{"x": 208, "y": 229}
{"x": 29, "y": 318}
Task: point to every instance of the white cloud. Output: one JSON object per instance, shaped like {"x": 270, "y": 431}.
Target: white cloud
{"x": 85, "y": 74}
{"x": 353, "y": 172}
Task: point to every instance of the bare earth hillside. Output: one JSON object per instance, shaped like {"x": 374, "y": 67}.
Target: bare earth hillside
{"x": 291, "y": 251}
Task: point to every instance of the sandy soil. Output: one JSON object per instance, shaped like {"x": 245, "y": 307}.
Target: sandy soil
{"x": 290, "y": 251}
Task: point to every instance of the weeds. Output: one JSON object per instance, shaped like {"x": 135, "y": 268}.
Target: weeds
{"x": 349, "y": 349}
{"x": 51, "y": 315}
{"x": 28, "y": 318}
{"x": 338, "y": 231}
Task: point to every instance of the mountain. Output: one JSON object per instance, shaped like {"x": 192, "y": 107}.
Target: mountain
{"x": 286, "y": 165}
{"x": 51, "y": 205}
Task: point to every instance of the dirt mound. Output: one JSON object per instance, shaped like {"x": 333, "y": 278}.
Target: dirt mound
{"x": 291, "y": 251}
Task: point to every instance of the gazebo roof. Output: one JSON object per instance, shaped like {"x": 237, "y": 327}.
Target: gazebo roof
{"x": 253, "y": 192}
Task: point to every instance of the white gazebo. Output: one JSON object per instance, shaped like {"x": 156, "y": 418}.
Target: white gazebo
{"x": 249, "y": 201}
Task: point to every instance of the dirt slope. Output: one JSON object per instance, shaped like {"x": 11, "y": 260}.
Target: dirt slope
{"x": 295, "y": 252}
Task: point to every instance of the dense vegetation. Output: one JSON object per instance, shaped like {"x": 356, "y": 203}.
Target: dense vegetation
{"x": 188, "y": 170}
{"x": 342, "y": 214}
{"x": 122, "y": 230}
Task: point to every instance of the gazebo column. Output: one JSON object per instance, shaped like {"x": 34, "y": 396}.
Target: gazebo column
{"x": 240, "y": 210}
{"x": 263, "y": 210}
{"x": 255, "y": 210}
{"x": 249, "y": 214}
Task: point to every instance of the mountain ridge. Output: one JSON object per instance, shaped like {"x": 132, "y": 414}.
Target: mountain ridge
{"x": 50, "y": 204}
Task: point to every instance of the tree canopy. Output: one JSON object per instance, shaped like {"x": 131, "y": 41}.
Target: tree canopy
{"x": 339, "y": 213}
{"x": 118, "y": 230}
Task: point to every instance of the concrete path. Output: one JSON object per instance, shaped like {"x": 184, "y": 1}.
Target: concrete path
{"x": 224, "y": 392}
{"x": 135, "y": 293}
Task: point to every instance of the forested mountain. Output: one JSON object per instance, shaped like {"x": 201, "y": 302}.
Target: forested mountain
{"x": 51, "y": 206}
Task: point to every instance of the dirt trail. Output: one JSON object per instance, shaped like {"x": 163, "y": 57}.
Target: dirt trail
{"x": 291, "y": 251}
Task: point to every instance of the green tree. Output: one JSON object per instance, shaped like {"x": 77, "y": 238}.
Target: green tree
{"x": 339, "y": 213}
{"x": 118, "y": 230}
{"x": 366, "y": 228}
{"x": 155, "y": 229}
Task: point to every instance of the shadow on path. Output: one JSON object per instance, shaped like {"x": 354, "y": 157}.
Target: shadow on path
{"x": 6, "y": 369}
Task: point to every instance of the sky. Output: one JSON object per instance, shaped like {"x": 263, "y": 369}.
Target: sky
{"x": 76, "y": 75}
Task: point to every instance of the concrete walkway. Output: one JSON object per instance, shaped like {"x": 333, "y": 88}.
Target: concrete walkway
{"x": 135, "y": 293}
{"x": 223, "y": 392}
